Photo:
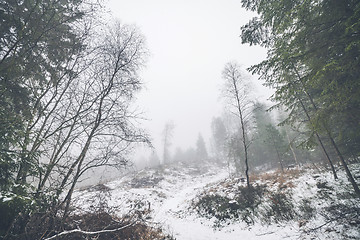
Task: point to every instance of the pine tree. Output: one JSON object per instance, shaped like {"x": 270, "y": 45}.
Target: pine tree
{"x": 313, "y": 64}
{"x": 201, "y": 152}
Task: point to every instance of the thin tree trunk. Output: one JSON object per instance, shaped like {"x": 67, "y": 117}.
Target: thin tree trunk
{"x": 280, "y": 161}
{"x": 319, "y": 139}
{"x": 348, "y": 173}
{"x": 309, "y": 118}
{"x": 243, "y": 134}
{"x": 292, "y": 149}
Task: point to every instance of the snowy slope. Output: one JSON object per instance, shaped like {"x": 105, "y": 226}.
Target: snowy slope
{"x": 168, "y": 195}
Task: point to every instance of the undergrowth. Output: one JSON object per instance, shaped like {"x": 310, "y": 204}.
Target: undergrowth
{"x": 311, "y": 201}
{"x": 268, "y": 203}
{"x": 241, "y": 207}
{"x": 249, "y": 205}
{"x": 100, "y": 222}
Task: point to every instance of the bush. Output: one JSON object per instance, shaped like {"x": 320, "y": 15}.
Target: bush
{"x": 13, "y": 208}
{"x": 306, "y": 211}
{"x": 279, "y": 208}
{"x": 241, "y": 207}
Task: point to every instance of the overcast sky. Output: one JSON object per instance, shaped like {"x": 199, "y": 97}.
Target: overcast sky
{"x": 190, "y": 41}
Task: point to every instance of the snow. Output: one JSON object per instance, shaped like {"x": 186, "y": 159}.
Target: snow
{"x": 169, "y": 193}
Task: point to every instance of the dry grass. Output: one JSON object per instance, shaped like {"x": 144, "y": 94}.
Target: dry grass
{"x": 282, "y": 179}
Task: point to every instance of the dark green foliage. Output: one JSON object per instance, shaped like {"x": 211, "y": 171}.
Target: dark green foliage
{"x": 257, "y": 203}
{"x": 10, "y": 207}
{"x": 313, "y": 57}
{"x": 323, "y": 185}
{"x": 261, "y": 153}
{"x": 36, "y": 41}
{"x": 242, "y": 207}
{"x": 7, "y": 168}
{"x": 216, "y": 205}
{"x": 313, "y": 64}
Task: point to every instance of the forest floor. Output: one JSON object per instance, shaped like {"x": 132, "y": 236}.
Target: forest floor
{"x": 205, "y": 203}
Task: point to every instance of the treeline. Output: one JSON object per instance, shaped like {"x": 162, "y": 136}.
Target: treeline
{"x": 313, "y": 65}
{"x": 67, "y": 81}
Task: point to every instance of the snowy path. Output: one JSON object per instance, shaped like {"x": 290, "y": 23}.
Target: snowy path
{"x": 170, "y": 201}
{"x": 174, "y": 215}
{"x": 171, "y": 212}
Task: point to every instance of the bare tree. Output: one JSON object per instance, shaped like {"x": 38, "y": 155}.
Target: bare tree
{"x": 236, "y": 92}
{"x": 86, "y": 119}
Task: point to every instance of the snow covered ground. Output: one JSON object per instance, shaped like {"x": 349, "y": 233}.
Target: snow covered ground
{"x": 168, "y": 195}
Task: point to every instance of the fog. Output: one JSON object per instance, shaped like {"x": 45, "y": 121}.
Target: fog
{"x": 189, "y": 44}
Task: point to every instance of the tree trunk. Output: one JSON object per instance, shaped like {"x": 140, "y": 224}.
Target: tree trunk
{"x": 243, "y": 136}
{"x": 348, "y": 173}
{"x": 292, "y": 149}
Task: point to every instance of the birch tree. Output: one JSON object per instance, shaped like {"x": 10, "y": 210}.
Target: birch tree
{"x": 236, "y": 92}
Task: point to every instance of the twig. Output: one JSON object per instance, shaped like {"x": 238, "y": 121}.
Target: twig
{"x": 326, "y": 223}
{"x": 262, "y": 234}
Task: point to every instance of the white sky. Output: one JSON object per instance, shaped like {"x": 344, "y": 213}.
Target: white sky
{"x": 190, "y": 41}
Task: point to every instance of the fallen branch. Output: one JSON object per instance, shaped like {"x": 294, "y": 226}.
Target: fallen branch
{"x": 263, "y": 234}
{"x": 322, "y": 225}
{"x": 88, "y": 233}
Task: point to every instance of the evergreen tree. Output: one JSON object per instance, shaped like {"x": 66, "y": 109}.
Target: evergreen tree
{"x": 277, "y": 143}
{"x": 219, "y": 138}
{"x": 154, "y": 160}
{"x": 37, "y": 40}
{"x": 201, "y": 152}
{"x": 313, "y": 64}
{"x": 259, "y": 150}
{"x": 167, "y": 141}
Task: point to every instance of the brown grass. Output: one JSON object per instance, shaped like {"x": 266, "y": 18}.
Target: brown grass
{"x": 283, "y": 179}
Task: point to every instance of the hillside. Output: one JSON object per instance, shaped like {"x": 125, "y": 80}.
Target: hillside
{"x": 209, "y": 203}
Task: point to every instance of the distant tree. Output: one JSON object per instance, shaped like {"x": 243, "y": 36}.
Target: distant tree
{"x": 235, "y": 152}
{"x": 219, "y": 138}
{"x": 236, "y": 91}
{"x": 179, "y": 156}
{"x": 276, "y": 141}
{"x": 201, "y": 152}
{"x": 154, "y": 160}
{"x": 190, "y": 155}
{"x": 260, "y": 152}
{"x": 167, "y": 138}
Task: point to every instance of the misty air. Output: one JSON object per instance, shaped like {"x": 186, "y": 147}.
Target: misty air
{"x": 186, "y": 120}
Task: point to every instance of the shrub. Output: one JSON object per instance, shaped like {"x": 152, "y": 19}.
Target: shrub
{"x": 241, "y": 207}
{"x": 279, "y": 208}
{"x": 306, "y": 211}
{"x": 13, "y": 208}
